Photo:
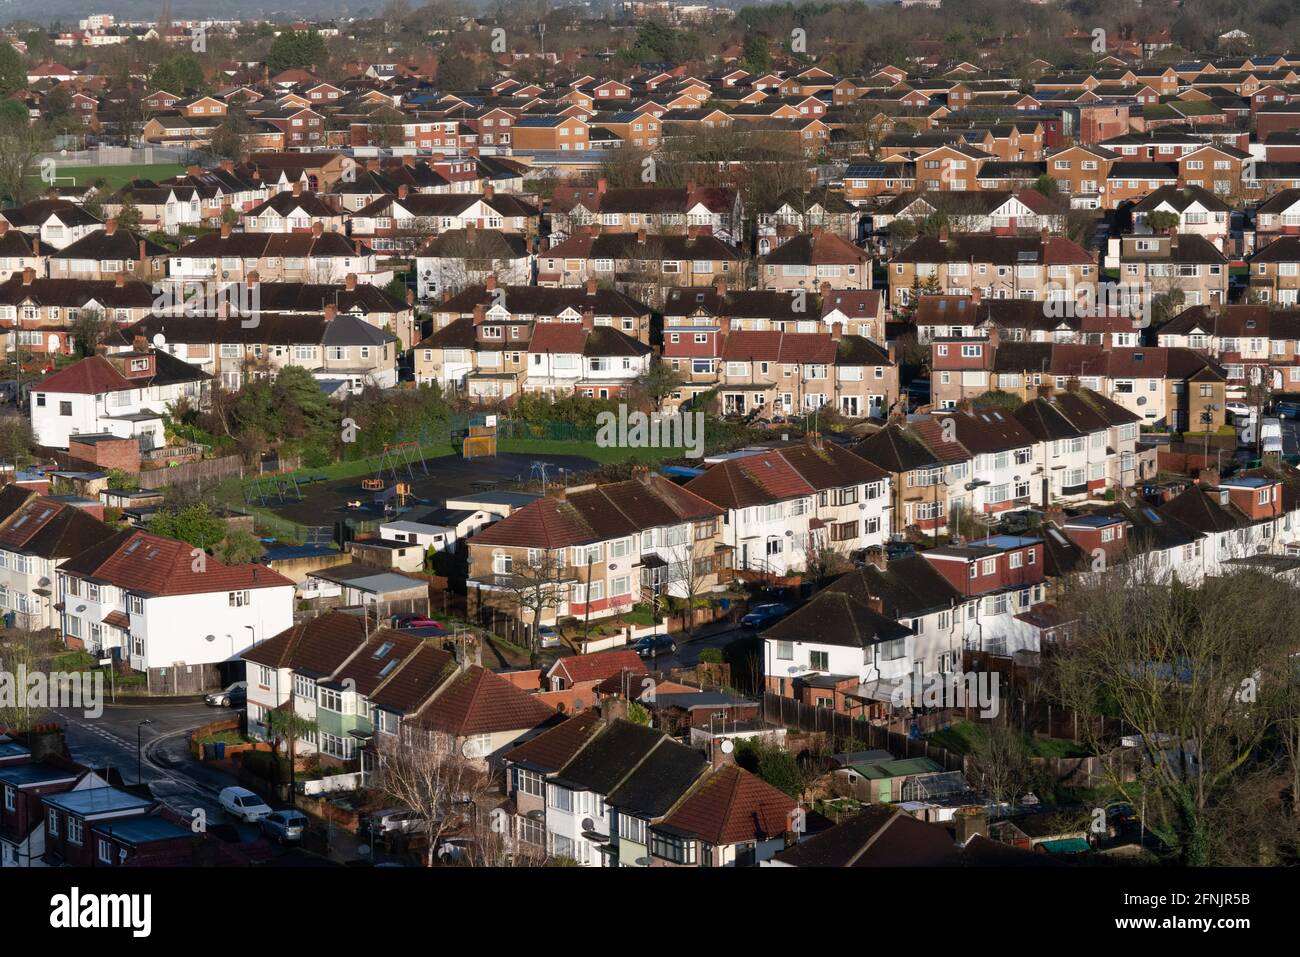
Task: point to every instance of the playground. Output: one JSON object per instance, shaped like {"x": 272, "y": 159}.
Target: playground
{"x": 406, "y": 480}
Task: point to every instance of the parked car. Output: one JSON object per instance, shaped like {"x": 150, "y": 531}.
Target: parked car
{"x": 550, "y": 636}
{"x": 761, "y": 616}
{"x": 243, "y": 804}
{"x": 652, "y": 645}
{"x": 1239, "y": 410}
{"x": 231, "y": 696}
{"x": 394, "y": 820}
{"x": 1288, "y": 410}
{"x": 284, "y": 826}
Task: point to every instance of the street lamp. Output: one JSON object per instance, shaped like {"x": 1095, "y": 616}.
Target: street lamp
{"x": 138, "y": 778}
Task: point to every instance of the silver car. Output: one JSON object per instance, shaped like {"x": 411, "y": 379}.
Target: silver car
{"x": 285, "y": 826}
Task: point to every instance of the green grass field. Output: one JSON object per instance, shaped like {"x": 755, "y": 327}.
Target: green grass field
{"x": 587, "y": 449}
{"x": 114, "y": 176}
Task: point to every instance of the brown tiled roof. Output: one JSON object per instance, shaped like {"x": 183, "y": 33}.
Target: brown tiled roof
{"x": 556, "y": 747}
{"x": 414, "y": 680}
{"x": 733, "y": 806}
{"x": 316, "y": 646}
{"x": 479, "y": 702}
{"x": 545, "y": 523}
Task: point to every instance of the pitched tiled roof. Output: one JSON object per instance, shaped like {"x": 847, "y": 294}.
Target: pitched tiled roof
{"x": 151, "y": 565}
{"x": 316, "y": 646}
{"x": 479, "y": 702}
{"x": 546, "y": 523}
{"x": 732, "y": 806}
{"x": 555, "y": 747}
{"x": 596, "y": 666}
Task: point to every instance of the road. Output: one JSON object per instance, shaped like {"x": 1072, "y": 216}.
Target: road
{"x": 165, "y": 764}
{"x": 688, "y": 649}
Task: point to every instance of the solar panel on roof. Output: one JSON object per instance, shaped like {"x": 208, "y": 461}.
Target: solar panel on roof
{"x": 1151, "y": 514}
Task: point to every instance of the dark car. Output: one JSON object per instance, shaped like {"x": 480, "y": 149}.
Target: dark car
{"x": 232, "y": 697}
{"x": 760, "y": 616}
{"x": 652, "y": 645}
{"x": 1288, "y": 410}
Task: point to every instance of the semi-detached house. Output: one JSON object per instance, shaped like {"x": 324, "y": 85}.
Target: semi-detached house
{"x": 157, "y": 603}
{"x": 780, "y": 505}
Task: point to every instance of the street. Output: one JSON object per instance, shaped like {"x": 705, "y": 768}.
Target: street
{"x": 166, "y": 766}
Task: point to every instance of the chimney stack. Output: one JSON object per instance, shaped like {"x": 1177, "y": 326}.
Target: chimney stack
{"x": 140, "y": 344}
{"x": 252, "y": 278}
{"x": 471, "y": 234}
{"x": 825, "y": 290}
{"x": 110, "y": 227}
{"x": 588, "y": 320}
{"x": 591, "y": 287}
{"x": 29, "y": 275}
{"x": 489, "y": 191}
{"x": 144, "y": 254}
{"x": 119, "y": 279}
{"x": 402, "y": 190}
{"x": 837, "y": 331}
{"x": 640, "y": 236}
{"x": 491, "y": 283}
{"x": 4, "y": 227}
{"x": 410, "y": 297}
{"x": 724, "y": 326}
{"x": 350, "y": 282}
{"x": 330, "y": 311}
{"x": 602, "y": 184}
{"x": 943, "y": 234}
{"x": 297, "y": 187}
{"x": 225, "y": 230}
{"x": 318, "y": 229}
{"x": 720, "y": 286}
{"x": 478, "y": 314}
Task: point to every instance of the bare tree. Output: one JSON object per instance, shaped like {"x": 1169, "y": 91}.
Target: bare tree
{"x": 1001, "y": 759}
{"x": 1200, "y": 675}
{"x": 533, "y": 587}
{"x": 429, "y": 774}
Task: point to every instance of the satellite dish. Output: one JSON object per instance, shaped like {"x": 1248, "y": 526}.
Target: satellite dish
{"x": 81, "y": 608}
{"x": 588, "y": 824}
{"x": 578, "y": 704}
{"x": 159, "y": 340}
{"x": 210, "y": 638}
{"x": 727, "y": 746}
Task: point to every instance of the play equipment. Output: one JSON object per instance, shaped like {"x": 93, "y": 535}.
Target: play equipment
{"x": 481, "y": 440}
{"x": 279, "y": 487}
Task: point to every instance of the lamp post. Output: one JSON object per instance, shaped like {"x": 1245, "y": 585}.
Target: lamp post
{"x": 138, "y": 728}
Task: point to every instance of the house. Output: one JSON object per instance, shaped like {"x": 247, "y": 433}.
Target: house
{"x": 126, "y": 394}
{"x": 731, "y": 819}
{"x": 73, "y": 817}
{"x": 813, "y": 260}
{"x": 154, "y": 604}
{"x": 35, "y": 540}
{"x": 1187, "y": 266}
{"x": 784, "y": 505}
{"x": 457, "y": 258}
{"x": 599, "y": 551}
{"x": 584, "y": 672}
{"x": 107, "y": 253}
{"x": 26, "y": 783}
{"x": 1000, "y": 267}
{"x": 874, "y": 837}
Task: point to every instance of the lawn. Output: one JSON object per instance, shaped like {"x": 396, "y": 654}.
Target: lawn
{"x": 587, "y": 449}
{"x": 964, "y": 736}
{"x": 114, "y": 176}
